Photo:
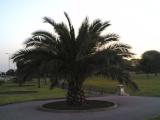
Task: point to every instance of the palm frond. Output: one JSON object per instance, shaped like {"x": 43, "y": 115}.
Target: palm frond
{"x": 91, "y": 37}
{"x": 108, "y": 38}
{"x": 34, "y": 54}
{"x": 98, "y": 26}
{"x": 68, "y": 19}
{"x": 124, "y": 78}
{"x": 49, "y": 20}
{"x": 72, "y": 33}
{"x": 67, "y": 44}
{"x": 45, "y": 34}
{"x": 41, "y": 40}
{"x": 83, "y": 31}
{"x": 62, "y": 31}
{"x": 30, "y": 42}
{"x": 19, "y": 55}
{"x": 120, "y": 49}
{"x": 104, "y": 26}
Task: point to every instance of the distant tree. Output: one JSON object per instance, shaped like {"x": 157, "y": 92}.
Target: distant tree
{"x": 2, "y": 74}
{"x": 74, "y": 57}
{"x": 150, "y": 62}
{"x": 10, "y": 72}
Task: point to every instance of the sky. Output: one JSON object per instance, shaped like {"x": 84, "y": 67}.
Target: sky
{"x": 137, "y": 22}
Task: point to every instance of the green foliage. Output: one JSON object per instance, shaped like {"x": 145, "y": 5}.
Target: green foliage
{"x": 10, "y": 72}
{"x": 150, "y": 62}
{"x": 64, "y": 55}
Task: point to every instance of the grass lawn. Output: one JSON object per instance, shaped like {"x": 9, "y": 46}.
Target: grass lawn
{"x": 156, "y": 118}
{"x": 11, "y": 93}
{"x": 148, "y": 86}
{"x": 100, "y": 83}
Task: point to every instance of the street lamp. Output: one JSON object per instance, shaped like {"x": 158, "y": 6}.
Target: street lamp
{"x": 7, "y": 53}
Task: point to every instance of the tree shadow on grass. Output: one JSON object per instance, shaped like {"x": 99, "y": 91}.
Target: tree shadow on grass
{"x": 17, "y": 92}
{"x": 29, "y": 85}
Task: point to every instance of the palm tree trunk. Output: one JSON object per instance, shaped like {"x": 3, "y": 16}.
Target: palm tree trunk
{"x": 39, "y": 82}
{"x": 45, "y": 80}
{"x": 20, "y": 84}
{"x": 75, "y": 95}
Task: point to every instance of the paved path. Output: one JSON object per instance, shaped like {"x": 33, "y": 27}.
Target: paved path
{"x": 130, "y": 108}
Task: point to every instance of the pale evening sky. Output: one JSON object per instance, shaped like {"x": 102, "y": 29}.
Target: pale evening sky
{"x": 136, "y": 21}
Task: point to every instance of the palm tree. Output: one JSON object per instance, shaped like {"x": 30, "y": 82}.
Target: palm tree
{"x": 75, "y": 57}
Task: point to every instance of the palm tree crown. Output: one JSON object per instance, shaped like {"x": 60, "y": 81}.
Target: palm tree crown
{"x": 74, "y": 58}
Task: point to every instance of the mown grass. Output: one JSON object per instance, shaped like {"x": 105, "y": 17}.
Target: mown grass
{"x": 12, "y": 93}
{"x": 149, "y": 86}
{"x": 101, "y": 83}
{"x": 156, "y": 118}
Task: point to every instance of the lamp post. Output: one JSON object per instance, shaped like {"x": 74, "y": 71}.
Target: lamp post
{"x": 7, "y": 53}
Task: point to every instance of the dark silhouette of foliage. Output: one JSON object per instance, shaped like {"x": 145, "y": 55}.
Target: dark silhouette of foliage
{"x": 10, "y": 72}
{"x": 150, "y": 62}
{"x": 72, "y": 58}
{"x": 2, "y": 74}
{"x": 133, "y": 65}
